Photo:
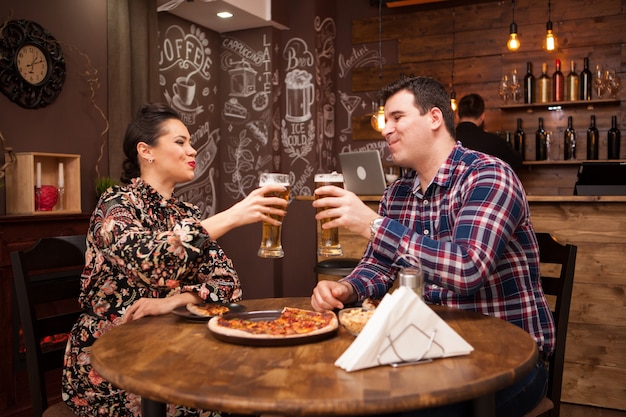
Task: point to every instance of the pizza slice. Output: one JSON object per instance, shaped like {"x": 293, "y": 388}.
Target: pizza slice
{"x": 207, "y": 310}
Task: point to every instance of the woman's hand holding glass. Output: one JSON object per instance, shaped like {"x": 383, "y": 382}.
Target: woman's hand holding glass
{"x": 258, "y": 206}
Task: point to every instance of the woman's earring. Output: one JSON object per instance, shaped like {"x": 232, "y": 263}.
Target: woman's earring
{"x": 150, "y": 160}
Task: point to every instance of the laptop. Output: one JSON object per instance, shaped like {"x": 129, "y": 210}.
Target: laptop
{"x": 363, "y": 172}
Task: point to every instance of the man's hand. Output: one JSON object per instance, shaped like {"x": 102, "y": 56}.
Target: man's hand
{"x": 328, "y": 295}
{"x": 345, "y": 209}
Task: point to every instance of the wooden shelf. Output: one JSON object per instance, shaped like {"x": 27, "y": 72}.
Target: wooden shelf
{"x": 561, "y": 105}
{"x": 20, "y": 182}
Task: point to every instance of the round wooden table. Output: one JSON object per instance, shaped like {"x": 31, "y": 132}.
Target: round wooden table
{"x": 170, "y": 359}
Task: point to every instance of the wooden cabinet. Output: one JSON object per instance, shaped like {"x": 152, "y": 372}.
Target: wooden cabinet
{"x": 19, "y": 233}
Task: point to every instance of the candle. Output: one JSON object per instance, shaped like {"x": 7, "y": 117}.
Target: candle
{"x": 61, "y": 178}
{"x": 38, "y": 184}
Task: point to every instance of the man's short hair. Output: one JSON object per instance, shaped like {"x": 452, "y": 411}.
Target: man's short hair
{"x": 471, "y": 105}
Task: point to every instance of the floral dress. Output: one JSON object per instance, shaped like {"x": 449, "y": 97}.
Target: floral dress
{"x": 138, "y": 245}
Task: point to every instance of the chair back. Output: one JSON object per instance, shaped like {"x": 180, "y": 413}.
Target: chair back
{"x": 47, "y": 286}
{"x": 560, "y": 286}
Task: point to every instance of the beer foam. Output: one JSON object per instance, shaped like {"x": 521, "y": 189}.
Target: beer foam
{"x": 329, "y": 177}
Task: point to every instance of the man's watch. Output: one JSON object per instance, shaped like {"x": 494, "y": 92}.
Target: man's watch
{"x": 374, "y": 225}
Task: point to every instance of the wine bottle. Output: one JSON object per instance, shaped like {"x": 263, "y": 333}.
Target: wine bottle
{"x": 558, "y": 83}
{"x": 585, "y": 82}
{"x": 593, "y": 141}
{"x": 613, "y": 139}
{"x": 519, "y": 138}
{"x": 541, "y": 142}
{"x": 570, "y": 141}
{"x": 571, "y": 83}
{"x": 544, "y": 85}
{"x": 529, "y": 84}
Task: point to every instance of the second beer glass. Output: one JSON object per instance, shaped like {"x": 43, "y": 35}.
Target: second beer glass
{"x": 328, "y": 239}
{"x": 271, "y": 246}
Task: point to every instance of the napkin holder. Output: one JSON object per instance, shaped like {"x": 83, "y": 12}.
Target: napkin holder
{"x": 397, "y": 353}
{"x": 403, "y": 330}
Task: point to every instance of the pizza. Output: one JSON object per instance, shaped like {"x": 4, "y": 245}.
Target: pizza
{"x": 207, "y": 310}
{"x": 290, "y": 322}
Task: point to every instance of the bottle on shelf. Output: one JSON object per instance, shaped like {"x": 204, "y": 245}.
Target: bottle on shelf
{"x": 558, "y": 83}
{"x": 541, "y": 142}
{"x": 613, "y": 139}
{"x": 585, "y": 82}
{"x": 570, "y": 141}
{"x": 571, "y": 83}
{"x": 529, "y": 84}
{"x": 519, "y": 138}
{"x": 544, "y": 85}
{"x": 593, "y": 141}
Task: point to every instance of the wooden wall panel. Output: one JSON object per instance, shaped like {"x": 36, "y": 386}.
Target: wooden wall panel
{"x": 595, "y": 345}
{"x": 424, "y": 46}
{"x": 548, "y": 179}
{"x": 599, "y": 386}
{"x": 595, "y": 359}
{"x": 598, "y": 304}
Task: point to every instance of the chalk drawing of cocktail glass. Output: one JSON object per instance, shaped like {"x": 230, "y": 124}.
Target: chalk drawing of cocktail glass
{"x": 300, "y": 95}
{"x": 349, "y": 103}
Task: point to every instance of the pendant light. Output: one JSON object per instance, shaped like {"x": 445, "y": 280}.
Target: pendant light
{"x": 513, "y": 44}
{"x": 550, "y": 42}
{"x": 378, "y": 118}
{"x": 452, "y": 92}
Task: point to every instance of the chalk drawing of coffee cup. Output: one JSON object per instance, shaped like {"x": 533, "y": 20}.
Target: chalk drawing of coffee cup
{"x": 184, "y": 91}
{"x": 300, "y": 95}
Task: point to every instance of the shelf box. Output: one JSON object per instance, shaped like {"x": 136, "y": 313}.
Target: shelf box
{"x": 21, "y": 179}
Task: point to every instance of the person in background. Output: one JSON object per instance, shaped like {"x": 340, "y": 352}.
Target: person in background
{"x": 469, "y": 131}
{"x": 463, "y": 215}
{"x": 149, "y": 253}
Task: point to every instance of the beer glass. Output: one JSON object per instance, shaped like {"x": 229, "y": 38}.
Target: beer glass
{"x": 271, "y": 246}
{"x": 328, "y": 239}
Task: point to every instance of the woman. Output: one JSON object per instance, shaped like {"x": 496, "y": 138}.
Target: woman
{"x": 149, "y": 253}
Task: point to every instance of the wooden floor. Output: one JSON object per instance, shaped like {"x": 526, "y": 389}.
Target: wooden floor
{"x": 575, "y": 410}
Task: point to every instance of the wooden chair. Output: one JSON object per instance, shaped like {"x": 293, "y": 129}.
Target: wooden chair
{"x": 47, "y": 285}
{"x": 553, "y": 252}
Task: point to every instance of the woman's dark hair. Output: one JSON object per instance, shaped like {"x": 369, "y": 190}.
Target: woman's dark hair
{"x": 428, "y": 93}
{"x": 146, "y": 126}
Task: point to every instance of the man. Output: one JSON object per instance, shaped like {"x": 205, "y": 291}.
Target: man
{"x": 470, "y": 131}
{"x": 462, "y": 214}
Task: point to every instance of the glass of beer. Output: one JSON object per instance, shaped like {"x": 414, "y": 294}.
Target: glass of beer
{"x": 328, "y": 239}
{"x": 271, "y": 246}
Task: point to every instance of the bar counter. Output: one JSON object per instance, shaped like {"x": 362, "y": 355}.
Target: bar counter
{"x": 595, "y": 357}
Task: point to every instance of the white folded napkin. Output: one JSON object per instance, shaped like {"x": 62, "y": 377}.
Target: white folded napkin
{"x": 402, "y": 329}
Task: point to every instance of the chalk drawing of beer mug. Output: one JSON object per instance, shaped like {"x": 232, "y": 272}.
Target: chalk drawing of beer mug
{"x": 300, "y": 95}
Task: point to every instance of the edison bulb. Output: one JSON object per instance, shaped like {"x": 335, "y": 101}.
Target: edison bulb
{"x": 550, "y": 41}
{"x": 378, "y": 119}
{"x": 513, "y": 44}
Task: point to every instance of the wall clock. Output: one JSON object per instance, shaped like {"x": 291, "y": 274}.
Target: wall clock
{"x": 32, "y": 68}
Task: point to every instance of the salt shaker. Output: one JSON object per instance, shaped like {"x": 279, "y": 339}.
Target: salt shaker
{"x": 412, "y": 277}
